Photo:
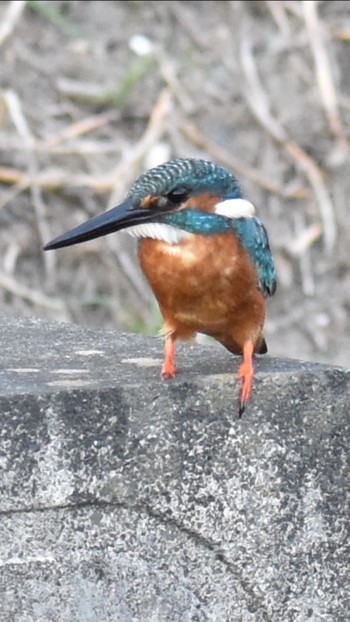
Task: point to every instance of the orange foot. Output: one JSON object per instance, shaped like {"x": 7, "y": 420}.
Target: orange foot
{"x": 168, "y": 367}
{"x": 245, "y": 374}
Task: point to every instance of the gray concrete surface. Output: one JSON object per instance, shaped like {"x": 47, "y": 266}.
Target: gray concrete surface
{"x": 125, "y": 498}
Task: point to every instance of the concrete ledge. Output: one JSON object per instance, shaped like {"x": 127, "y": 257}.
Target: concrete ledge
{"x": 125, "y": 498}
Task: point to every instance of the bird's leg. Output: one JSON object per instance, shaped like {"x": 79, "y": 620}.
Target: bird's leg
{"x": 245, "y": 374}
{"x": 168, "y": 368}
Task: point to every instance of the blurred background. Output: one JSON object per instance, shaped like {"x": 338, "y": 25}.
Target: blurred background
{"x": 93, "y": 93}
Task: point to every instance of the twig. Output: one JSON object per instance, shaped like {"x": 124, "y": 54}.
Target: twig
{"x": 304, "y": 257}
{"x": 193, "y": 134}
{"x": 155, "y": 53}
{"x": 188, "y": 21}
{"x": 81, "y": 148}
{"x": 323, "y": 67}
{"x": 84, "y": 126}
{"x": 305, "y": 239}
{"x": 52, "y": 179}
{"x": 167, "y": 68}
{"x": 293, "y": 6}
{"x": 341, "y": 32}
{"x": 86, "y": 92}
{"x": 16, "y": 113}
{"x": 258, "y": 103}
{"x": 127, "y": 169}
{"x": 11, "y": 16}
{"x": 11, "y": 285}
{"x": 13, "y": 193}
{"x": 278, "y": 13}
{"x": 117, "y": 97}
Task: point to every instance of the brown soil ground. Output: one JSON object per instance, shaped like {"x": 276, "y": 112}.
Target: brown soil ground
{"x": 86, "y": 104}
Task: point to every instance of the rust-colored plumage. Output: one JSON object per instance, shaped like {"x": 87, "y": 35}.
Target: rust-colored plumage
{"x": 206, "y": 285}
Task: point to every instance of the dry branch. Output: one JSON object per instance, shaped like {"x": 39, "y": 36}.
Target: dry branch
{"x": 127, "y": 170}
{"x": 15, "y": 110}
{"x": 10, "y": 284}
{"x": 11, "y": 17}
{"x": 258, "y": 102}
{"x": 325, "y": 81}
{"x": 193, "y": 134}
{"x": 79, "y": 128}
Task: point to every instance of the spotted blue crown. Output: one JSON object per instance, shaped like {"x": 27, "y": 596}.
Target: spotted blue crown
{"x": 197, "y": 175}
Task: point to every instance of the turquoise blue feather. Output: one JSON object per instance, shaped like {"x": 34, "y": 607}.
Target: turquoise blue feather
{"x": 253, "y": 237}
{"x": 194, "y": 221}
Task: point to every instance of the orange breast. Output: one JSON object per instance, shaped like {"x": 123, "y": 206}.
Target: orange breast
{"x": 205, "y": 284}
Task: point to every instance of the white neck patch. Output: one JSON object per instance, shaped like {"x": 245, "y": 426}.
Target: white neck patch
{"x": 158, "y": 231}
{"x": 231, "y": 208}
{"x": 235, "y": 208}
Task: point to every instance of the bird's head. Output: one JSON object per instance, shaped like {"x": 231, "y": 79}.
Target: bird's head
{"x": 188, "y": 195}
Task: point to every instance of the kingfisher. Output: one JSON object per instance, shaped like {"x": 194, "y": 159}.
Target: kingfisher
{"x": 204, "y": 253}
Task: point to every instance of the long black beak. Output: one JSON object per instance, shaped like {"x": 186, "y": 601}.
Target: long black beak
{"x": 120, "y": 217}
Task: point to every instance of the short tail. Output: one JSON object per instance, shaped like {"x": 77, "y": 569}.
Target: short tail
{"x": 263, "y": 347}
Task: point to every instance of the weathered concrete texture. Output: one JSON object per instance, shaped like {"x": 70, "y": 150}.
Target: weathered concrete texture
{"x": 125, "y": 498}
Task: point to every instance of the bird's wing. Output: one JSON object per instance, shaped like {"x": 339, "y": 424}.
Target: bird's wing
{"x": 253, "y": 237}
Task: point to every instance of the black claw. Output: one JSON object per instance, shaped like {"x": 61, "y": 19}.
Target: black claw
{"x": 241, "y": 409}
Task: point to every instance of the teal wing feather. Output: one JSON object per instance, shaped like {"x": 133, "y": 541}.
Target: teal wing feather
{"x": 253, "y": 237}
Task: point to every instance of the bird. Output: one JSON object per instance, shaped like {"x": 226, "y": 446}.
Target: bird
{"x": 204, "y": 253}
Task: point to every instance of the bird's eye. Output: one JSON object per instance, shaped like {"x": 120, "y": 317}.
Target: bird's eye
{"x": 178, "y": 195}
